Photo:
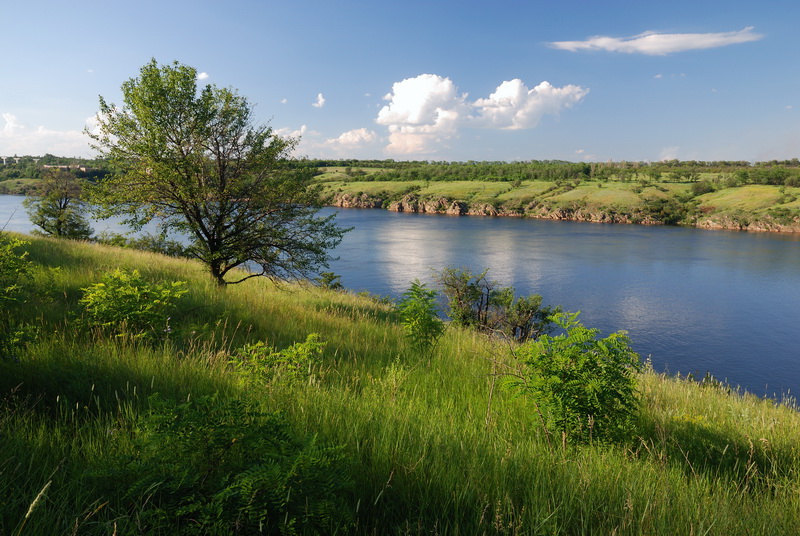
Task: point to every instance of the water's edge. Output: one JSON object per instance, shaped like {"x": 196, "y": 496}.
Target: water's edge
{"x": 443, "y": 205}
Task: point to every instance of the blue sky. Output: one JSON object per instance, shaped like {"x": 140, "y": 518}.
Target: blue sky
{"x": 429, "y": 80}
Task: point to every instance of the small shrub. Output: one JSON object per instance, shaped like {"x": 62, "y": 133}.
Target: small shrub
{"x": 263, "y": 362}
{"x": 14, "y": 282}
{"x": 584, "y": 386}
{"x": 330, "y": 281}
{"x": 521, "y": 318}
{"x": 128, "y": 305}
{"x": 702, "y": 187}
{"x": 418, "y": 314}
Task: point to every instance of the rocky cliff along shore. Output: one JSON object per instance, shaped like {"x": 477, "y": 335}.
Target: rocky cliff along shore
{"x": 575, "y": 212}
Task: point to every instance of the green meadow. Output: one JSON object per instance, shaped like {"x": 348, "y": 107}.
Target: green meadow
{"x": 106, "y": 432}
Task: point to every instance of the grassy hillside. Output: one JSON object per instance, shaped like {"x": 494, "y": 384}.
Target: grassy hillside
{"x": 372, "y": 438}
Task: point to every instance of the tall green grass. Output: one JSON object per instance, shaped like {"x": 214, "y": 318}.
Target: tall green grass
{"x": 433, "y": 443}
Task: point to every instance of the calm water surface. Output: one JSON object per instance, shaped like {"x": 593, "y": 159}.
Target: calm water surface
{"x": 691, "y": 300}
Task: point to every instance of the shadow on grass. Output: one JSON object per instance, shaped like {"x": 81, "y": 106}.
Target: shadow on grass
{"x": 100, "y": 378}
{"x": 699, "y": 448}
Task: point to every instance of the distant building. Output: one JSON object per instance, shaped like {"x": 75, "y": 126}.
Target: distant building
{"x": 68, "y": 168}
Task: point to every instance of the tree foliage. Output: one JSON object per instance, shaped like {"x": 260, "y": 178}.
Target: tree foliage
{"x": 57, "y": 205}
{"x": 194, "y": 160}
{"x": 476, "y": 301}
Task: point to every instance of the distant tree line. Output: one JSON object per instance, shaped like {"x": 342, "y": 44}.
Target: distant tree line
{"x": 33, "y": 167}
{"x": 728, "y": 173}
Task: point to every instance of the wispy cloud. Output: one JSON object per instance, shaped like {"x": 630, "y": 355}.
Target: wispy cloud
{"x": 425, "y": 112}
{"x": 659, "y": 44}
{"x": 669, "y": 153}
{"x": 320, "y": 101}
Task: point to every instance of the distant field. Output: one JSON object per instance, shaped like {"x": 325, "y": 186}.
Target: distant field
{"x": 610, "y": 194}
{"x": 17, "y": 186}
{"x": 375, "y": 188}
{"x": 339, "y": 173}
{"x": 469, "y": 191}
{"x": 748, "y": 198}
{"x": 756, "y": 207}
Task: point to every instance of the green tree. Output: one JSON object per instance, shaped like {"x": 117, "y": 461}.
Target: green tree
{"x": 468, "y": 295}
{"x": 57, "y": 206}
{"x": 194, "y": 160}
{"x": 476, "y": 301}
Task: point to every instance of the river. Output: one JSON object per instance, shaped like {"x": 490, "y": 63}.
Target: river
{"x": 692, "y": 301}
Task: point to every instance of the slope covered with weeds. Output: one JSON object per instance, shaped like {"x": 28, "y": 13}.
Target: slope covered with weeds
{"x": 203, "y": 428}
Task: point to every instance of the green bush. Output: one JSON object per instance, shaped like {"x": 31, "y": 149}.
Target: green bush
{"x": 418, "y": 314}
{"x": 211, "y": 466}
{"x": 330, "y": 281}
{"x": 127, "y": 304}
{"x": 14, "y": 282}
{"x": 585, "y": 387}
{"x": 262, "y": 362}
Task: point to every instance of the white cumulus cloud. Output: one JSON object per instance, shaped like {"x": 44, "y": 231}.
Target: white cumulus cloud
{"x": 320, "y": 101}
{"x": 513, "y": 106}
{"x": 353, "y": 138}
{"x": 424, "y": 112}
{"x": 659, "y": 44}
{"x": 348, "y": 143}
{"x": 289, "y": 133}
{"x": 18, "y": 138}
{"x": 202, "y": 76}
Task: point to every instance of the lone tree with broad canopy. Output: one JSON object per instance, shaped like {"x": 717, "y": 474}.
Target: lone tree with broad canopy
{"x": 193, "y": 160}
{"x": 57, "y": 205}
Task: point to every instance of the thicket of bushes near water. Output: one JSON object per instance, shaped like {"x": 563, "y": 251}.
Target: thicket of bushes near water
{"x": 138, "y": 397}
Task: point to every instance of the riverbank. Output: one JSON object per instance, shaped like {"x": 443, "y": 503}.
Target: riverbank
{"x": 103, "y": 433}
{"x": 748, "y": 208}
